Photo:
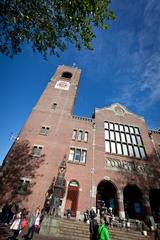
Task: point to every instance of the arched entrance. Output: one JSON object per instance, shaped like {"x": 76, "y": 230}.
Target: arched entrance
{"x": 107, "y": 193}
{"x": 132, "y": 202}
{"x": 72, "y": 197}
{"x": 154, "y": 197}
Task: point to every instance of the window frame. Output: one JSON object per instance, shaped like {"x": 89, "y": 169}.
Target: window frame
{"x": 130, "y": 136}
{"x": 77, "y": 155}
{"x": 36, "y": 154}
{"x": 24, "y": 185}
{"x": 44, "y": 130}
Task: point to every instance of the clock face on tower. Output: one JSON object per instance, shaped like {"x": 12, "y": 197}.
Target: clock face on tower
{"x": 63, "y": 85}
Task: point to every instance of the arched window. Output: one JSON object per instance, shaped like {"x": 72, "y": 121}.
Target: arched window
{"x": 67, "y": 75}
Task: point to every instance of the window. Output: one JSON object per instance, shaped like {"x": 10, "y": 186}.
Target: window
{"x": 116, "y": 127}
{"x": 139, "y": 140}
{"x": 111, "y": 126}
{"x": 123, "y": 137}
{"x": 133, "y": 139}
{"x": 71, "y": 154}
{"x": 126, "y": 128}
{"x": 119, "y": 148}
{"x": 117, "y": 137}
{"x": 130, "y": 148}
{"x": 142, "y": 151}
{"x": 125, "y": 151}
{"x": 80, "y": 135}
{"x": 77, "y": 155}
{"x": 106, "y": 134}
{"x": 128, "y": 138}
{"x": 54, "y": 105}
{"x": 67, "y": 75}
{"x": 112, "y": 135}
{"x": 74, "y": 134}
{"x": 113, "y": 147}
{"x": 84, "y": 153}
{"x": 86, "y": 137}
{"x": 123, "y": 140}
{"x": 44, "y": 131}
{"x": 36, "y": 150}
{"x": 136, "y": 150}
{"x": 106, "y": 126}
{"x": 23, "y": 186}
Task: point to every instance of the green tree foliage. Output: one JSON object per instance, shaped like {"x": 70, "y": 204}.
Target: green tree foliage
{"x": 49, "y": 24}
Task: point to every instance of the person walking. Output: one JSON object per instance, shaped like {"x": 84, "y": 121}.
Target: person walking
{"x": 16, "y": 226}
{"x": 93, "y": 227}
{"x": 34, "y": 224}
{"x": 103, "y": 233}
{"x": 157, "y": 232}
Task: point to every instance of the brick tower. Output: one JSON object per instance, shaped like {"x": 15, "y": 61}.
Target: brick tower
{"x": 46, "y": 135}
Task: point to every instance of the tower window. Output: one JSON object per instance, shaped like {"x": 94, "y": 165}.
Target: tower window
{"x": 54, "y": 105}
{"x": 44, "y": 131}
{"x": 36, "y": 150}
{"x": 67, "y": 75}
{"x": 23, "y": 186}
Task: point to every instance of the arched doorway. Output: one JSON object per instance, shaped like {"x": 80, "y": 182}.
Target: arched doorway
{"x": 107, "y": 193}
{"x": 132, "y": 202}
{"x": 154, "y": 196}
{"x": 72, "y": 197}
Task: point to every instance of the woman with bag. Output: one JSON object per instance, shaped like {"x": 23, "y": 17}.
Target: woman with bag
{"x": 16, "y": 226}
{"x": 33, "y": 224}
{"x": 102, "y": 230}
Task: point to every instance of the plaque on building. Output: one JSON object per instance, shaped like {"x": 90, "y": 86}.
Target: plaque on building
{"x": 63, "y": 85}
{"x": 128, "y": 166}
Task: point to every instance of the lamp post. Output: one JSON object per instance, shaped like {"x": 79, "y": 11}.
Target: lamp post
{"x": 92, "y": 165}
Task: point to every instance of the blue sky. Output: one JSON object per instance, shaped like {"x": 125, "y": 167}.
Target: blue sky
{"x": 124, "y": 68}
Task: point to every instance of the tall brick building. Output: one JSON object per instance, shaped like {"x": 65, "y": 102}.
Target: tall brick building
{"x": 112, "y": 157}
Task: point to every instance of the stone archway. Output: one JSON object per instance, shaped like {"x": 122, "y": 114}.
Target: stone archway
{"x": 132, "y": 202}
{"x": 72, "y": 197}
{"x": 107, "y": 193}
{"x": 154, "y": 197}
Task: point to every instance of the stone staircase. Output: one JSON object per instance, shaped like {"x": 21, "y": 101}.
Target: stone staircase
{"x": 78, "y": 230}
{"x": 4, "y": 231}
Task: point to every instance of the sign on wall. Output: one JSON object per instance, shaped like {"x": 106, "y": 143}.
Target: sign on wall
{"x": 128, "y": 166}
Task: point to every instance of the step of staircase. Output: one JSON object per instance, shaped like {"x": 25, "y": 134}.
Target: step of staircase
{"x": 77, "y": 230}
{"x": 4, "y": 231}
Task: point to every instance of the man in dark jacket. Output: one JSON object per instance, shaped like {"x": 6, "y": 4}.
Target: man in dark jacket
{"x": 93, "y": 227}
{"x": 157, "y": 232}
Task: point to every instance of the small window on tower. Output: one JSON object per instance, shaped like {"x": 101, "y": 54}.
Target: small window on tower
{"x": 24, "y": 186}
{"x": 44, "y": 131}
{"x": 36, "y": 151}
{"x": 67, "y": 75}
{"x": 54, "y": 105}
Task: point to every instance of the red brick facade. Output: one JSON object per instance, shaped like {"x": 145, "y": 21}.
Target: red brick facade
{"x": 97, "y": 172}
